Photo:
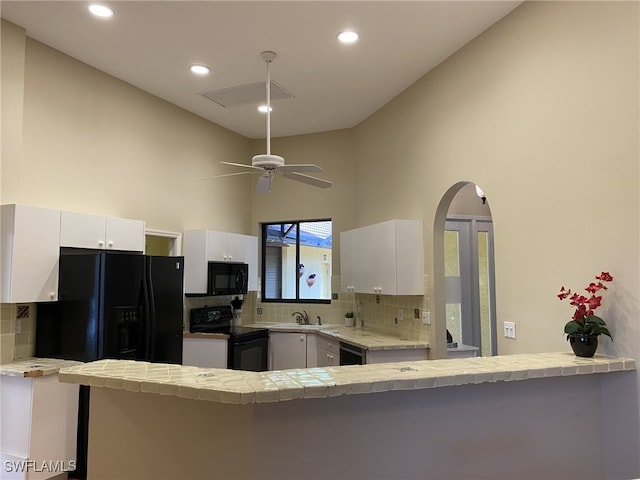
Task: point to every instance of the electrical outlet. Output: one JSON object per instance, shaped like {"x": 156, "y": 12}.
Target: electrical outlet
{"x": 510, "y": 329}
{"x": 416, "y": 313}
{"x": 426, "y": 317}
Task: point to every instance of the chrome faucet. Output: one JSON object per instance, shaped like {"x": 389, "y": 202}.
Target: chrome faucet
{"x": 319, "y": 320}
{"x": 301, "y": 318}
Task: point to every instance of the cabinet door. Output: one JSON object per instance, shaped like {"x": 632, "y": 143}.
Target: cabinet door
{"x": 39, "y": 421}
{"x": 194, "y": 248}
{"x": 312, "y": 350}
{"x": 205, "y": 352}
{"x": 81, "y": 230}
{"x": 216, "y": 246}
{"x": 30, "y": 254}
{"x": 383, "y": 239}
{"x": 251, "y": 258}
{"x": 328, "y": 352}
{"x": 385, "y": 258}
{"x": 374, "y": 257}
{"x": 409, "y": 257}
{"x": 346, "y": 261}
{"x": 124, "y": 234}
{"x": 236, "y": 247}
{"x": 287, "y": 350}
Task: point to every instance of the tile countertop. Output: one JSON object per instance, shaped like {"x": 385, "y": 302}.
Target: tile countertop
{"x": 360, "y": 337}
{"x": 35, "y": 367}
{"x": 206, "y": 336}
{"x": 242, "y": 387}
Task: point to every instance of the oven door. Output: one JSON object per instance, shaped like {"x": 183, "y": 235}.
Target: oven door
{"x": 248, "y": 353}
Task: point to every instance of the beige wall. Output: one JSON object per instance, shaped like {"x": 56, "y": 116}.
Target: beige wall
{"x": 541, "y": 111}
{"x": 92, "y": 143}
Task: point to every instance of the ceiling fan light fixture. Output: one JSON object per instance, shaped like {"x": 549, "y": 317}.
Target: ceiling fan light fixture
{"x": 267, "y": 161}
{"x": 348, "y": 36}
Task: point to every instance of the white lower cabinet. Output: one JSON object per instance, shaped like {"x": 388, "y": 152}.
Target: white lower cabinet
{"x": 287, "y": 350}
{"x": 396, "y": 355}
{"x": 205, "y": 352}
{"x": 39, "y": 418}
{"x": 328, "y": 352}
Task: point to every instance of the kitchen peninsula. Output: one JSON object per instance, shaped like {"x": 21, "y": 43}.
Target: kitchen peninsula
{"x": 424, "y": 419}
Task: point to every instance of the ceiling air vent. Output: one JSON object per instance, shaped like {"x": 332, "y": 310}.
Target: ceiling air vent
{"x": 245, "y": 94}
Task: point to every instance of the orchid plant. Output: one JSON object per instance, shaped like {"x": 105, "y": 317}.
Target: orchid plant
{"x": 583, "y": 321}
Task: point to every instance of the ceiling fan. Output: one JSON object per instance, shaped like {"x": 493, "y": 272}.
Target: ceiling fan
{"x": 268, "y": 165}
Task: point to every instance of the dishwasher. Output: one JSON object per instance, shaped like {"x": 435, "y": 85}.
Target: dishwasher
{"x": 351, "y": 355}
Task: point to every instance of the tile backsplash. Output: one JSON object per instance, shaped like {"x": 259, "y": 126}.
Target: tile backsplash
{"x": 386, "y": 314}
{"x": 17, "y": 331}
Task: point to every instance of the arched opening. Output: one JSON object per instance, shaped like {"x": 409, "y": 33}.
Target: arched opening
{"x": 464, "y": 273}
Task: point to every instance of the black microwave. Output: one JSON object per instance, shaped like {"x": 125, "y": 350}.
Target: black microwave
{"x": 227, "y": 278}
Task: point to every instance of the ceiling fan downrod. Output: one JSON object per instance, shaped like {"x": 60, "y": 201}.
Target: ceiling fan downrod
{"x": 268, "y": 56}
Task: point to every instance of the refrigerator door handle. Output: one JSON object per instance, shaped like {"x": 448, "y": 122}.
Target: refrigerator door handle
{"x": 148, "y": 314}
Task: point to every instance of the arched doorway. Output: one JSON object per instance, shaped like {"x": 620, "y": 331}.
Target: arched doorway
{"x": 465, "y": 227}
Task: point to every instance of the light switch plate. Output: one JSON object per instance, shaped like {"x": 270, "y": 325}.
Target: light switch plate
{"x": 426, "y": 317}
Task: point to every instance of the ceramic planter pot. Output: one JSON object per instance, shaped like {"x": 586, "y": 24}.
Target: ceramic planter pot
{"x": 583, "y": 345}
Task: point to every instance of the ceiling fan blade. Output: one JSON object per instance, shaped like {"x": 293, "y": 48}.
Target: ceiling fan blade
{"x": 299, "y": 177}
{"x": 307, "y": 167}
{"x": 226, "y": 175}
{"x": 242, "y": 165}
{"x": 264, "y": 184}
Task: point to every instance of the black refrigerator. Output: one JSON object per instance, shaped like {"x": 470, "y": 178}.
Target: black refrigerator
{"x": 118, "y": 305}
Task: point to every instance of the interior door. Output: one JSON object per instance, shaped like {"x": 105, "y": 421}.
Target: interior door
{"x": 469, "y": 283}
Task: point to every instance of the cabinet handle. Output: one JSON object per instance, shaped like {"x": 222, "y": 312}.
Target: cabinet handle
{"x": 52, "y": 295}
{"x": 101, "y": 243}
{"x": 110, "y": 244}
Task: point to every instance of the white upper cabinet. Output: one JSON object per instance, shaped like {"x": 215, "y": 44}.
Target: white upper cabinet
{"x": 30, "y": 254}
{"x": 203, "y": 246}
{"x": 82, "y": 230}
{"x": 225, "y": 247}
{"x": 386, "y": 258}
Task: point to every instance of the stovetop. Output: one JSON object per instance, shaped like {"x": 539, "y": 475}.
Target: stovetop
{"x": 219, "y": 319}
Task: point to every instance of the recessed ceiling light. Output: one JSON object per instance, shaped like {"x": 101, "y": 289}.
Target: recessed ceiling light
{"x": 200, "y": 69}
{"x": 101, "y": 10}
{"x": 348, "y": 37}
{"x": 263, "y": 109}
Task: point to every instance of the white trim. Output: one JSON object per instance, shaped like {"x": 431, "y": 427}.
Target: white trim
{"x": 176, "y": 244}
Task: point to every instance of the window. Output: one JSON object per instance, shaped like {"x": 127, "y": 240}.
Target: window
{"x": 296, "y": 261}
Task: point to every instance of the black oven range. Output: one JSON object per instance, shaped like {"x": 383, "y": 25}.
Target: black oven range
{"x": 248, "y": 347}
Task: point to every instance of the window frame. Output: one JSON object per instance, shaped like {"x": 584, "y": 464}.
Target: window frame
{"x": 263, "y": 262}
